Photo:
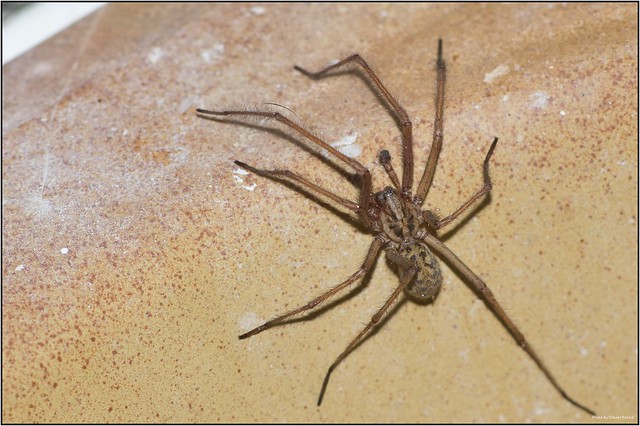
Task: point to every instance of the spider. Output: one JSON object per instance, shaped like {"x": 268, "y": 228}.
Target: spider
{"x": 407, "y": 234}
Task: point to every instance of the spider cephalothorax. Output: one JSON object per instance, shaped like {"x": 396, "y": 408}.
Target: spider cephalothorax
{"x": 407, "y": 234}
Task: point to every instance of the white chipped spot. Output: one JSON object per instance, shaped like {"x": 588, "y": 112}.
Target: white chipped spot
{"x": 250, "y": 187}
{"x": 215, "y": 54}
{"x": 547, "y": 174}
{"x": 499, "y": 71}
{"x": 249, "y": 321}
{"x": 347, "y": 146}
{"x": 155, "y": 55}
{"x": 64, "y": 250}
{"x": 475, "y": 307}
{"x": 241, "y": 172}
{"x": 539, "y": 411}
{"x": 258, "y": 10}
{"x": 19, "y": 268}
{"x": 185, "y": 105}
{"x": 464, "y": 354}
{"x": 539, "y": 100}
{"x": 42, "y": 68}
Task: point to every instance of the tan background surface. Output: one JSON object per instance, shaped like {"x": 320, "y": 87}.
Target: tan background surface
{"x": 133, "y": 256}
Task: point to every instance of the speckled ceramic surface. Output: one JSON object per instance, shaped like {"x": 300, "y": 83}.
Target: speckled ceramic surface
{"x": 135, "y": 251}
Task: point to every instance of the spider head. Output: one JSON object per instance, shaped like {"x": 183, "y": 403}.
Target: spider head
{"x": 399, "y": 219}
{"x": 388, "y": 200}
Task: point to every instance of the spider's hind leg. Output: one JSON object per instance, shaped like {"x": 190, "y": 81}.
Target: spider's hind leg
{"x": 368, "y": 263}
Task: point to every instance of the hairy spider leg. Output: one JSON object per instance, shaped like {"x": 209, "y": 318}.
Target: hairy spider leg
{"x": 369, "y": 261}
{"x": 289, "y": 175}
{"x": 365, "y": 175}
{"x": 484, "y": 290}
{"x": 486, "y": 187}
{"x": 400, "y": 113}
{"x": 436, "y": 145}
{"x": 394, "y": 257}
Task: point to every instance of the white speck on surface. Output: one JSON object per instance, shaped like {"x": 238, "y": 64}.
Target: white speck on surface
{"x": 499, "y": 71}
{"x": 215, "y": 54}
{"x": 505, "y": 98}
{"x": 258, "y": 10}
{"x": 622, "y": 163}
{"x": 155, "y": 55}
{"x": 64, "y": 250}
{"x": 19, "y": 268}
{"x": 185, "y": 105}
{"x": 547, "y": 174}
{"x": 464, "y": 354}
{"x": 125, "y": 132}
{"x": 584, "y": 352}
{"x": 351, "y": 151}
{"x": 250, "y": 187}
{"x": 562, "y": 113}
{"x": 249, "y": 321}
{"x": 539, "y": 100}
{"x": 347, "y": 146}
{"x": 241, "y": 172}
{"x": 538, "y": 411}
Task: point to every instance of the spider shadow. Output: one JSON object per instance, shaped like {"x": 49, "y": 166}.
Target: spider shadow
{"x": 370, "y": 85}
{"x": 484, "y": 203}
{"x": 364, "y": 282}
{"x": 459, "y": 224}
{"x": 288, "y": 137}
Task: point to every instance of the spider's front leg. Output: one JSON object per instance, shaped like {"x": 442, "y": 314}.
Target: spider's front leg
{"x": 486, "y": 187}
{"x": 400, "y": 113}
{"x": 361, "y": 208}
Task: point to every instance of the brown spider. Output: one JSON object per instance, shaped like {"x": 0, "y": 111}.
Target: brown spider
{"x": 393, "y": 215}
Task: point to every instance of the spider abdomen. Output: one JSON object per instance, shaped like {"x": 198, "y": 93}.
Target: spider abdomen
{"x": 428, "y": 278}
